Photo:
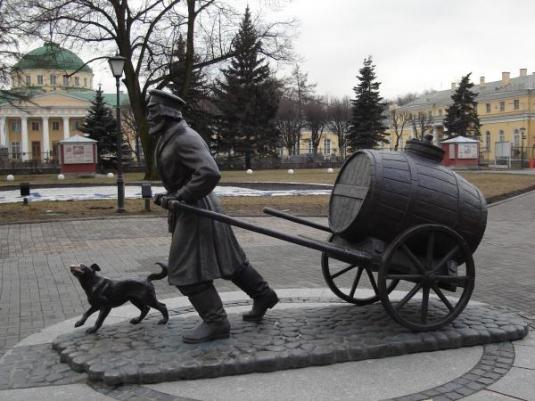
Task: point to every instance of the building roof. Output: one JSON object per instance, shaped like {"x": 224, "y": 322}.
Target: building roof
{"x": 77, "y": 139}
{"x": 486, "y": 91}
{"x": 51, "y": 56}
{"x": 460, "y": 139}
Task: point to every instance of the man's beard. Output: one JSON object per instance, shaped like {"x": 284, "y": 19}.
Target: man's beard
{"x": 157, "y": 128}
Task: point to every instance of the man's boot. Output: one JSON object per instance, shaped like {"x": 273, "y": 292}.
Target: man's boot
{"x": 215, "y": 324}
{"x": 252, "y": 283}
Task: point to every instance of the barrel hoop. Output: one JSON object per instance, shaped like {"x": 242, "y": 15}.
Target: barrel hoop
{"x": 414, "y": 190}
{"x": 350, "y": 191}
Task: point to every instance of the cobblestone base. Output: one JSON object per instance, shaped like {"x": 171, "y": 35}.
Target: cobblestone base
{"x": 287, "y": 338}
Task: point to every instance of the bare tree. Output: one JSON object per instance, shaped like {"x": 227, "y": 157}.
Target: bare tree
{"x": 339, "y": 121}
{"x": 399, "y": 119}
{"x": 144, "y": 32}
{"x": 316, "y": 121}
{"x": 288, "y": 123}
{"x": 421, "y": 123}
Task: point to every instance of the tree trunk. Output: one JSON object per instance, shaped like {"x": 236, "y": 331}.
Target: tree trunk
{"x": 247, "y": 159}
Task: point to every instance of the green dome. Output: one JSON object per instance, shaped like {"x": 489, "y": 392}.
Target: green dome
{"x": 51, "y": 56}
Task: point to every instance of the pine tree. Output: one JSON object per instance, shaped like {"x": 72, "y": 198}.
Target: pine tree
{"x": 461, "y": 116}
{"x": 367, "y": 128}
{"x": 100, "y": 125}
{"x": 248, "y": 98}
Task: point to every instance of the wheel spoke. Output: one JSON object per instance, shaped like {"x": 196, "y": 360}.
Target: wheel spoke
{"x": 356, "y": 282}
{"x": 404, "y": 276}
{"x": 409, "y": 296}
{"x": 443, "y": 298}
{"x": 372, "y": 281}
{"x": 425, "y": 303}
{"x": 430, "y": 250}
{"x": 448, "y": 256}
{"x": 413, "y": 258}
{"x": 343, "y": 271}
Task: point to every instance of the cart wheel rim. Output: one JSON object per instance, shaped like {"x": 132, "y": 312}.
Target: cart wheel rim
{"x": 356, "y": 277}
{"x": 440, "y": 248}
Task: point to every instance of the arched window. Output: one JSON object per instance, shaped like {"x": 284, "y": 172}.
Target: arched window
{"x": 502, "y": 136}
{"x": 487, "y": 140}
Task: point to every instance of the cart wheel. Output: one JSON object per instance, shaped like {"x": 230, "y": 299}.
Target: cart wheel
{"x": 348, "y": 280}
{"x": 428, "y": 258}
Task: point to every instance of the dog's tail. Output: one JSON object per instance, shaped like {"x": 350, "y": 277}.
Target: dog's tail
{"x": 158, "y": 276}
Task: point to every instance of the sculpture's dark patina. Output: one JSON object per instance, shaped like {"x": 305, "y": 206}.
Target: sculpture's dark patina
{"x": 395, "y": 217}
{"x": 201, "y": 249}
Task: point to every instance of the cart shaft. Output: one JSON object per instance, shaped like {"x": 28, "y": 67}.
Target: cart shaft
{"x": 343, "y": 254}
{"x": 295, "y": 219}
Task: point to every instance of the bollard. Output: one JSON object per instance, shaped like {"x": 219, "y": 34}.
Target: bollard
{"x": 24, "y": 189}
{"x": 146, "y": 194}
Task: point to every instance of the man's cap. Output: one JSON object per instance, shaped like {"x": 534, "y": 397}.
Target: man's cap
{"x": 165, "y": 98}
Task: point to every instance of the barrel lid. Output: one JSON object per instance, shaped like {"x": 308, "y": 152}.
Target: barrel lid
{"x": 425, "y": 148}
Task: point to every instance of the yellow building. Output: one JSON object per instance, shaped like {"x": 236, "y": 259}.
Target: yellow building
{"x": 505, "y": 107}
{"x": 53, "y": 105}
{"x": 328, "y": 145}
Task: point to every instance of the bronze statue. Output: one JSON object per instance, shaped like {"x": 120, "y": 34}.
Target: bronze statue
{"x": 201, "y": 249}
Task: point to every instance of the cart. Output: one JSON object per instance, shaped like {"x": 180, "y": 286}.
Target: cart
{"x": 424, "y": 262}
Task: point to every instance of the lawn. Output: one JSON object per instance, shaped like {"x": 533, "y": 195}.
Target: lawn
{"x": 494, "y": 186}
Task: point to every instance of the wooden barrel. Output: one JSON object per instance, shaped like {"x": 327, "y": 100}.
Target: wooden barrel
{"x": 380, "y": 194}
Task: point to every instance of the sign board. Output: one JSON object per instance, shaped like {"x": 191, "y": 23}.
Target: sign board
{"x": 467, "y": 151}
{"x": 78, "y": 153}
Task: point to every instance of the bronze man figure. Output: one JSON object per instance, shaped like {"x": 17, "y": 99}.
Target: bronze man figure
{"x": 201, "y": 249}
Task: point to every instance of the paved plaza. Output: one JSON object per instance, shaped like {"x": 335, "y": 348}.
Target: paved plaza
{"x": 37, "y": 291}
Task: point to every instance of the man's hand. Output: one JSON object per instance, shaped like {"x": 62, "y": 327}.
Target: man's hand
{"x": 158, "y": 199}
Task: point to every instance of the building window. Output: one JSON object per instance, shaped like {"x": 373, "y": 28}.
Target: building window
{"x": 429, "y": 115}
{"x": 76, "y": 81}
{"x": 488, "y": 107}
{"x": 516, "y": 104}
{"x": 310, "y": 147}
{"x": 502, "y": 106}
{"x": 15, "y": 150}
{"x": 55, "y": 125}
{"x": 65, "y": 81}
{"x": 326, "y": 146}
{"x": 516, "y": 138}
{"x": 85, "y": 82}
{"x": 487, "y": 140}
{"x": 54, "y": 150}
{"x": 35, "y": 125}
{"x": 52, "y": 80}
{"x": 15, "y": 126}
{"x": 77, "y": 124}
{"x": 439, "y": 112}
{"x": 502, "y": 136}
{"x": 39, "y": 80}
{"x": 28, "y": 80}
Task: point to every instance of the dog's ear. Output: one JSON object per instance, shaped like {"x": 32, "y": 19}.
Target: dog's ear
{"x": 95, "y": 267}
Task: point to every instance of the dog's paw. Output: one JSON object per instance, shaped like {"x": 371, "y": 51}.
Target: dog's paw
{"x": 91, "y": 330}
{"x": 79, "y": 323}
{"x": 135, "y": 321}
{"x": 162, "y": 321}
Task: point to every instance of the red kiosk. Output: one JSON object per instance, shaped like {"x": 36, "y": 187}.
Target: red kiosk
{"x": 78, "y": 155}
{"x": 461, "y": 152}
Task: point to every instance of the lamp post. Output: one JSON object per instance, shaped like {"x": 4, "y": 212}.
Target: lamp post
{"x": 117, "y": 66}
{"x": 523, "y": 136}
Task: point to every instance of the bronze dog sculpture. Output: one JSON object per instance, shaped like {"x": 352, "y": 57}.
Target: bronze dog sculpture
{"x": 104, "y": 294}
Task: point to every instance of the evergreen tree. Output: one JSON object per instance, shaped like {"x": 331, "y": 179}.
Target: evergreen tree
{"x": 367, "y": 128}
{"x": 101, "y": 126}
{"x": 247, "y": 98}
{"x": 461, "y": 116}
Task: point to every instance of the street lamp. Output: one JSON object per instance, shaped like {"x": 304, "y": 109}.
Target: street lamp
{"x": 117, "y": 66}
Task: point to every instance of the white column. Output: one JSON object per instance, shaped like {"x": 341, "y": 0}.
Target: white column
{"x": 25, "y": 148}
{"x": 46, "y": 139}
{"x": 3, "y": 136}
{"x": 66, "y": 128}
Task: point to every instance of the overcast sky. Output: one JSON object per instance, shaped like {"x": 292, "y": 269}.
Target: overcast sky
{"x": 416, "y": 45}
